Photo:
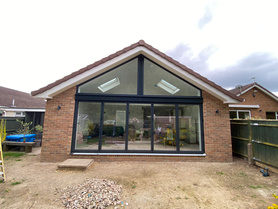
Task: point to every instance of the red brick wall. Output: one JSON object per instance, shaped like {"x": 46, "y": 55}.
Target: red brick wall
{"x": 58, "y": 125}
{"x": 58, "y": 132}
{"x": 217, "y": 132}
{"x": 267, "y": 104}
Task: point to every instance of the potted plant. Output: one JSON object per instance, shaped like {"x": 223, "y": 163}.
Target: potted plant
{"x": 24, "y": 129}
{"x": 38, "y": 130}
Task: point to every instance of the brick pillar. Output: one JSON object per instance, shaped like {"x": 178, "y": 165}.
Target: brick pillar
{"x": 217, "y": 131}
{"x": 58, "y": 126}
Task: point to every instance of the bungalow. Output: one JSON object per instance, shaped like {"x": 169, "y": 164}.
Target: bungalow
{"x": 137, "y": 103}
{"x": 15, "y": 103}
{"x": 258, "y": 103}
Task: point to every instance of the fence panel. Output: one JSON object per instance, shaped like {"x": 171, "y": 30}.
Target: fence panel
{"x": 12, "y": 126}
{"x": 263, "y": 136}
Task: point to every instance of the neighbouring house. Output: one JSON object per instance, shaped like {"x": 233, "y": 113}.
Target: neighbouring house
{"x": 15, "y": 103}
{"x": 137, "y": 103}
{"x": 259, "y": 103}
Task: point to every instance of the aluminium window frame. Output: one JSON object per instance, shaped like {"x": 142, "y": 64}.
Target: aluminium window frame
{"x": 140, "y": 98}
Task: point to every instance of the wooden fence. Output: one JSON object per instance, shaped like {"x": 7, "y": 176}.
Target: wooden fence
{"x": 12, "y": 126}
{"x": 256, "y": 140}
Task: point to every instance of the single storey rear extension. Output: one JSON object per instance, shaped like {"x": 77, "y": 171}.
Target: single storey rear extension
{"x": 137, "y": 103}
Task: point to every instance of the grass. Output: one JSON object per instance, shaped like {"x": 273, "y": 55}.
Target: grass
{"x": 242, "y": 174}
{"x": 133, "y": 186}
{"x": 8, "y": 155}
{"x": 15, "y": 183}
{"x": 220, "y": 173}
{"x": 254, "y": 187}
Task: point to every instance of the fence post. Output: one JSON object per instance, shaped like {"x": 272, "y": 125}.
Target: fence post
{"x": 250, "y": 144}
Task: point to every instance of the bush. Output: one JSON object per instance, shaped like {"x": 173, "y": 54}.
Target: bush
{"x": 108, "y": 130}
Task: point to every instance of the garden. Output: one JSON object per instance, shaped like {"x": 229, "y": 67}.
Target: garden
{"x": 32, "y": 184}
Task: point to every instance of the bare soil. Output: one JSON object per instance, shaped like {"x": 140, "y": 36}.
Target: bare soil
{"x": 32, "y": 184}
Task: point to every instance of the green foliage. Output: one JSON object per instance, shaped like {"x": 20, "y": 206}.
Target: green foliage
{"x": 24, "y": 127}
{"x": 38, "y": 129}
{"x": 15, "y": 183}
{"x": 242, "y": 174}
{"x": 13, "y": 154}
{"x": 255, "y": 187}
{"x": 220, "y": 173}
{"x": 89, "y": 128}
{"x": 108, "y": 130}
{"x": 133, "y": 186}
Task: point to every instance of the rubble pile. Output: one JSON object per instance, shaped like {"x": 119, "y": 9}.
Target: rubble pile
{"x": 95, "y": 193}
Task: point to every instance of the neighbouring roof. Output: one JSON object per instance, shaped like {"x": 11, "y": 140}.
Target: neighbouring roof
{"x": 21, "y": 100}
{"x": 240, "y": 90}
{"x": 125, "y": 54}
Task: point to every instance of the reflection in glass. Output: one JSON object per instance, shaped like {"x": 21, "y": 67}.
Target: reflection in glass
{"x": 167, "y": 87}
{"x": 121, "y": 80}
{"x": 189, "y": 128}
{"x": 114, "y": 123}
{"x": 109, "y": 85}
{"x": 154, "y": 76}
{"x": 139, "y": 127}
{"x": 165, "y": 127}
{"x": 88, "y": 123}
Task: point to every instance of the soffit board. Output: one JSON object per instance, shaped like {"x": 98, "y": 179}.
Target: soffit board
{"x": 102, "y": 68}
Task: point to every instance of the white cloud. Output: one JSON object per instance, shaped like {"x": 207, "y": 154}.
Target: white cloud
{"x": 42, "y": 41}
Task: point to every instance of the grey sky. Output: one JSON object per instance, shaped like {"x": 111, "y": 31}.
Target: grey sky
{"x": 229, "y": 42}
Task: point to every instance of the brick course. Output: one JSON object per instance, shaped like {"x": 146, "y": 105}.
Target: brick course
{"x": 267, "y": 104}
{"x": 59, "y": 123}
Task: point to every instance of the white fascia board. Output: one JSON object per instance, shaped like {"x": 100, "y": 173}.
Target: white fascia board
{"x": 245, "y": 91}
{"x": 24, "y": 110}
{"x": 89, "y": 74}
{"x": 263, "y": 90}
{"x": 189, "y": 77}
{"x": 245, "y": 106}
{"x": 266, "y": 92}
{"x": 127, "y": 56}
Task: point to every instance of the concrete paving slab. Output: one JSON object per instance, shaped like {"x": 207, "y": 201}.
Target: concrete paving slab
{"x": 35, "y": 151}
{"x": 76, "y": 164}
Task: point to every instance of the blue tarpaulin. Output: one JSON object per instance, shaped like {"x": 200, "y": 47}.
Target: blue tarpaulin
{"x": 20, "y": 138}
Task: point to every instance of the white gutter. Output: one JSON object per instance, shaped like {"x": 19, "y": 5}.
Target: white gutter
{"x": 245, "y": 106}
{"x": 23, "y": 110}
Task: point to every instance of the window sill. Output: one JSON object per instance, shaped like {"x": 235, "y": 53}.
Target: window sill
{"x": 143, "y": 154}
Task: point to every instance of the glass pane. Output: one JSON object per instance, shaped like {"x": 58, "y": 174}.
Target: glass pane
{"x": 88, "y": 123}
{"x": 233, "y": 114}
{"x": 189, "y": 128}
{"x": 114, "y": 124}
{"x": 165, "y": 127}
{"x": 158, "y": 81}
{"x": 243, "y": 115}
{"x": 121, "y": 80}
{"x": 139, "y": 127}
{"x": 270, "y": 115}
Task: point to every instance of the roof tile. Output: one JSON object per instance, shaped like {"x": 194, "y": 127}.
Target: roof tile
{"x": 126, "y": 49}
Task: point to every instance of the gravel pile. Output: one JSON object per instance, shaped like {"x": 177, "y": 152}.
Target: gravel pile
{"x": 95, "y": 193}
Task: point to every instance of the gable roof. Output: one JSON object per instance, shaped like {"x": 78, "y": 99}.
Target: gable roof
{"x": 238, "y": 91}
{"x": 128, "y": 53}
{"x": 16, "y": 99}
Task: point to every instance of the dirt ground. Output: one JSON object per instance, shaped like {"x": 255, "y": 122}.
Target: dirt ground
{"x": 32, "y": 184}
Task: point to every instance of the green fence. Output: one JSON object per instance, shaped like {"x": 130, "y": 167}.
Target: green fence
{"x": 12, "y": 126}
{"x": 261, "y": 134}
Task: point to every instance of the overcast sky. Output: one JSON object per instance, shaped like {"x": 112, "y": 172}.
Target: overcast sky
{"x": 229, "y": 42}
